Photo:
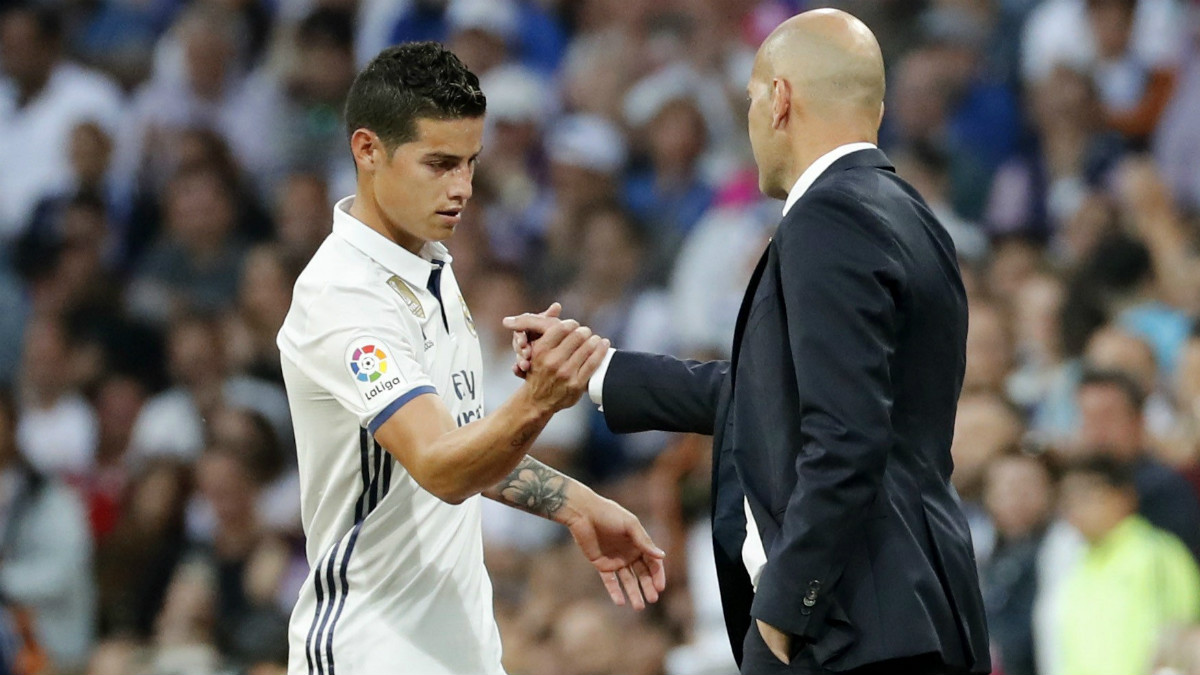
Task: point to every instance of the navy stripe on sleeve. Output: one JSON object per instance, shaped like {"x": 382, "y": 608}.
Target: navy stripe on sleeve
{"x": 386, "y": 414}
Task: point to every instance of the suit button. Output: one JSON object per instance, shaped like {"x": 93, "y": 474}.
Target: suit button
{"x": 809, "y": 601}
{"x": 805, "y": 611}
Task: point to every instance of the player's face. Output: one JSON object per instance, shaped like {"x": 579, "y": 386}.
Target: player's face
{"x": 423, "y": 187}
{"x": 764, "y": 142}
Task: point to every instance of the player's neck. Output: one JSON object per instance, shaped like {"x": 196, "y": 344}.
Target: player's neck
{"x": 367, "y": 211}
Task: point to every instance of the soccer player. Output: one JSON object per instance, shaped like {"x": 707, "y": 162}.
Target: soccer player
{"x": 382, "y": 367}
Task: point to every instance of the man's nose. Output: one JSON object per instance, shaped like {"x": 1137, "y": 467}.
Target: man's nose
{"x": 461, "y": 188}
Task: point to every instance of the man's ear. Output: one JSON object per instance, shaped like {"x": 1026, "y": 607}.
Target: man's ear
{"x": 781, "y": 102}
{"x": 367, "y": 149}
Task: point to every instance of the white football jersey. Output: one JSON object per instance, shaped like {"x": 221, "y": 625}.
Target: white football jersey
{"x": 397, "y": 581}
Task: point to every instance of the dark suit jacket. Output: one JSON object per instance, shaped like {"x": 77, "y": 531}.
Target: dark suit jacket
{"x": 834, "y": 420}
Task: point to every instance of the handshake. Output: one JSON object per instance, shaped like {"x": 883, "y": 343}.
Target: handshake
{"x": 555, "y": 357}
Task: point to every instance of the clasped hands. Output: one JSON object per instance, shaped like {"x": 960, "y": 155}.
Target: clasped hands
{"x": 557, "y": 358}
{"x": 528, "y": 332}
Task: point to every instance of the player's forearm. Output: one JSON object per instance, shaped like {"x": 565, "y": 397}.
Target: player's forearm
{"x": 477, "y": 456}
{"x": 542, "y": 490}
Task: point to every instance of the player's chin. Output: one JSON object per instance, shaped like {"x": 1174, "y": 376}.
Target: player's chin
{"x": 441, "y": 228}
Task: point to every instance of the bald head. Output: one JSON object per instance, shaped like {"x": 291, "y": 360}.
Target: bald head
{"x": 817, "y": 85}
{"x": 830, "y": 58}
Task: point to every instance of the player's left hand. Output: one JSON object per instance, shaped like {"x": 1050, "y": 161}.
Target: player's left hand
{"x": 617, "y": 545}
{"x": 522, "y": 341}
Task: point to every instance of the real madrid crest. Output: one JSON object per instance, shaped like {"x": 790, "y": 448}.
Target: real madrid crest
{"x": 467, "y": 316}
{"x": 406, "y": 294}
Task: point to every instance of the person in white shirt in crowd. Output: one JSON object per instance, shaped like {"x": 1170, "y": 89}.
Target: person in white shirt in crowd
{"x": 43, "y": 97}
{"x": 57, "y": 430}
{"x": 1131, "y": 47}
{"x": 199, "y": 81}
{"x": 173, "y": 422}
{"x": 45, "y": 544}
{"x": 382, "y": 366}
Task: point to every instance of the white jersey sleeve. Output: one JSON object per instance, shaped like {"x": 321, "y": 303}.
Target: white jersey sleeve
{"x": 361, "y": 351}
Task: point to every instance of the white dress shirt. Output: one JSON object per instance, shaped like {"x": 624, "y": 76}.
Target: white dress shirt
{"x": 754, "y": 556}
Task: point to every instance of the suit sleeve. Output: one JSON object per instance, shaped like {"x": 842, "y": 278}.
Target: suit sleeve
{"x": 651, "y": 392}
{"x": 839, "y": 281}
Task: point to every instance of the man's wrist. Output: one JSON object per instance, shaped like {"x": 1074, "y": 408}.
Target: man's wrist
{"x": 576, "y": 504}
{"x": 535, "y": 408}
{"x": 596, "y": 383}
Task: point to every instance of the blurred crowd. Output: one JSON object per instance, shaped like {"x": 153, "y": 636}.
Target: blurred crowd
{"x": 168, "y": 166}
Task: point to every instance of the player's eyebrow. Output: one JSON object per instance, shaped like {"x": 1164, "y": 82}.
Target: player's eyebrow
{"x": 449, "y": 157}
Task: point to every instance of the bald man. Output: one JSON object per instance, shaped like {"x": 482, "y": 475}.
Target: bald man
{"x": 836, "y": 527}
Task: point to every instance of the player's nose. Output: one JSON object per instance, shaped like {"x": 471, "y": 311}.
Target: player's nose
{"x": 461, "y": 189}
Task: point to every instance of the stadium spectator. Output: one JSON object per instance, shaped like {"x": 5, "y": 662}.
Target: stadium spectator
{"x": 1112, "y": 424}
{"x": 1018, "y": 494}
{"x": 1131, "y": 47}
{"x": 196, "y": 264}
{"x": 1038, "y": 192}
{"x": 56, "y": 429}
{"x": 44, "y": 97}
{"x": 1133, "y": 580}
{"x": 986, "y": 428}
{"x": 45, "y": 543}
{"x": 136, "y": 560}
{"x": 172, "y": 422}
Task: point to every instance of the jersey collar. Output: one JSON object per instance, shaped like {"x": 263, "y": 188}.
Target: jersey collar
{"x": 397, "y": 259}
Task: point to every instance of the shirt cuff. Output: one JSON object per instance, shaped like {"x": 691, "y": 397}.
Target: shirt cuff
{"x": 596, "y": 384}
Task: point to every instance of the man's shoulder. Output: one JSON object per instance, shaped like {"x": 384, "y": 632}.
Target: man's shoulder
{"x": 338, "y": 268}
{"x": 342, "y": 288}
{"x": 853, "y": 198}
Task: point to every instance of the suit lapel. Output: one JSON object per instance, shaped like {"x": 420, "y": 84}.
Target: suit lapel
{"x": 744, "y": 310}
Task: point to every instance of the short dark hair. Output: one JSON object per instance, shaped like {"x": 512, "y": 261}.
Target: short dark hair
{"x": 1123, "y": 381}
{"x": 409, "y": 82}
{"x": 1113, "y": 472}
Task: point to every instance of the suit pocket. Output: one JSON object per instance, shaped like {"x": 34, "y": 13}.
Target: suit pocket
{"x": 839, "y": 636}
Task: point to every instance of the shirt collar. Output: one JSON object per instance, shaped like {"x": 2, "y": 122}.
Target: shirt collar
{"x": 394, "y": 257}
{"x": 814, "y": 171}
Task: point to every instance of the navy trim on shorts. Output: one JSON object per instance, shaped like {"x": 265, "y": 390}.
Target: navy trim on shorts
{"x": 386, "y": 414}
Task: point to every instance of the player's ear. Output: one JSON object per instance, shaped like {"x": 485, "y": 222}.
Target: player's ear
{"x": 367, "y": 149}
{"x": 781, "y": 101}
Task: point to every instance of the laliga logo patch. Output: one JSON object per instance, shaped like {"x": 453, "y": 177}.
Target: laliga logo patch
{"x": 367, "y": 359}
{"x": 467, "y": 315}
{"x": 368, "y": 363}
{"x": 406, "y": 294}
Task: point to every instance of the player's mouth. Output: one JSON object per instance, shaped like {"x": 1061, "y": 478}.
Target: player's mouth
{"x": 450, "y": 216}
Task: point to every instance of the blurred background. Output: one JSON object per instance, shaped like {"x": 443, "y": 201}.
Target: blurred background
{"x": 168, "y": 166}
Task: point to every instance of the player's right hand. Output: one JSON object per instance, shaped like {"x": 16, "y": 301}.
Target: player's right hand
{"x": 562, "y": 360}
